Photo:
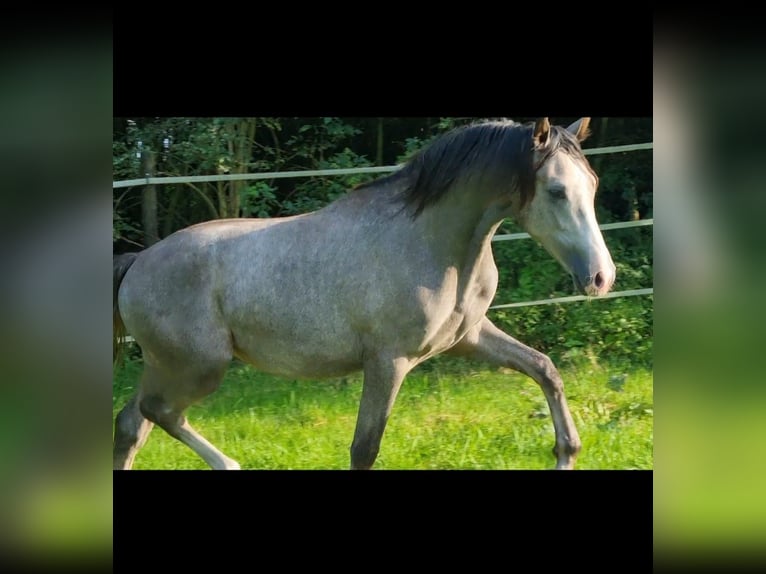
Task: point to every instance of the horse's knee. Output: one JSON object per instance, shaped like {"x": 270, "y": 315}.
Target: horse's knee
{"x": 569, "y": 448}
{"x": 546, "y": 373}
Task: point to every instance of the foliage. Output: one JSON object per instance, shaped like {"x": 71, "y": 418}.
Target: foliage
{"x": 258, "y": 199}
{"x": 318, "y": 143}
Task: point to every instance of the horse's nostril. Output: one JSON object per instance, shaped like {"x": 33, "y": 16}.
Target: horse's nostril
{"x": 598, "y": 280}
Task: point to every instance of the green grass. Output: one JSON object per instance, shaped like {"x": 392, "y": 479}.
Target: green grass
{"x": 448, "y": 415}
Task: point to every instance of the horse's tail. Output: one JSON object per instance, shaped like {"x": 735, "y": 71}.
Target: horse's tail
{"x": 121, "y": 265}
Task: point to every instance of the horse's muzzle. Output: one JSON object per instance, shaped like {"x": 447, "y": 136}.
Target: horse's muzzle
{"x": 596, "y": 284}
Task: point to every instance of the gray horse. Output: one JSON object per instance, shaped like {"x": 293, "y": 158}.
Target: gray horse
{"x": 382, "y": 279}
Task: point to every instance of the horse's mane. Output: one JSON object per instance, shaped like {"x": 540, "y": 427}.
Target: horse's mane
{"x": 499, "y": 149}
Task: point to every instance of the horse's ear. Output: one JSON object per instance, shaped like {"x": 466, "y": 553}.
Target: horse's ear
{"x": 542, "y": 132}
{"x": 579, "y": 129}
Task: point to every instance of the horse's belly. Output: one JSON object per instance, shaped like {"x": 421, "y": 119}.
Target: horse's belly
{"x": 296, "y": 358}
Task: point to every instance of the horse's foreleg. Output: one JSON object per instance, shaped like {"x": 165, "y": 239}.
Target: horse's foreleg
{"x": 382, "y": 379}
{"x": 488, "y": 343}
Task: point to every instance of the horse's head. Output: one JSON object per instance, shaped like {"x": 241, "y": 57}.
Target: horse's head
{"x": 561, "y": 214}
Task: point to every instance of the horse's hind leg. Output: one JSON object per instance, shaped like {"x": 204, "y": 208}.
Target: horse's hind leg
{"x": 164, "y": 400}
{"x": 130, "y": 432}
{"x": 488, "y": 343}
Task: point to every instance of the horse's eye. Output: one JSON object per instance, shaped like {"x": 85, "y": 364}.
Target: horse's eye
{"x": 557, "y": 192}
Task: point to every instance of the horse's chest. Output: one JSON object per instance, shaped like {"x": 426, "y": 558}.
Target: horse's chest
{"x": 462, "y": 312}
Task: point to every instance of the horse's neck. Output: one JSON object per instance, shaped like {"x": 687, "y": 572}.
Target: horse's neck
{"x": 461, "y": 235}
{"x": 478, "y": 257}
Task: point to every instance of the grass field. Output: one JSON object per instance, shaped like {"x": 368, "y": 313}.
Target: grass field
{"x": 448, "y": 415}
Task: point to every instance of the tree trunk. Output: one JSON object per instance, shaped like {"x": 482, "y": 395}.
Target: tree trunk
{"x": 167, "y": 227}
{"x": 220, "y": 188}
{"x": 149, "y": 201}
{"x": 243, "y": 155}
{"x": 240, "y": 134}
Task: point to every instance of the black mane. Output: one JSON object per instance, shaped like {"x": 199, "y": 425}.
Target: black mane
{"x": 502, "y": 150}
